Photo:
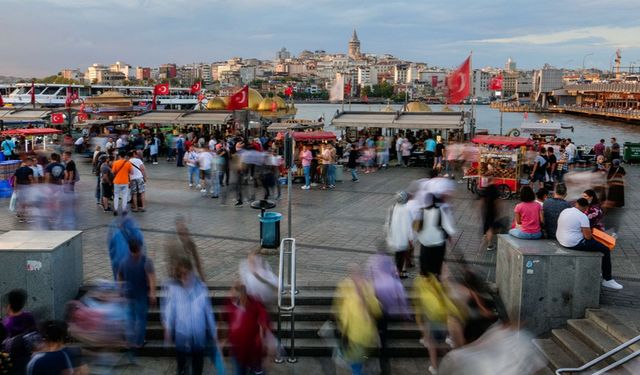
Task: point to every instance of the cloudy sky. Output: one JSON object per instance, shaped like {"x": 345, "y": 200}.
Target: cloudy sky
{"x": 40, "y": 37}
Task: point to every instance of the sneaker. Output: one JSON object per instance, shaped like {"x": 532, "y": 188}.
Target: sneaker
{"x": 190, "y": 185}
{"x": 203, "y": 190}
{"x": 214, "y": 197}
{"x": 611, "y": 284}
{"x": 491, "y": 248}
{"x": 155, "y": 163}
{"x": 198, "y": 186}
{"x": 432, "y": 370}
{"x": 450, "y": 342}
{"x": 305, "y": 187}
{"x": 238, "y": 204}
{"x": 108, "y": 209}
{"x": 314, "y": 184}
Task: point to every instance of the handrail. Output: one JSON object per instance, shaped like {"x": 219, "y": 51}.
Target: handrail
{"x": 606, "y": 355}
{"x": 617, "y": 363}
{"x": 283, "y": 288}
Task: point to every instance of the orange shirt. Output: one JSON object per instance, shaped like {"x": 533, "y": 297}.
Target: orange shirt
{"x": 121, "y": 169}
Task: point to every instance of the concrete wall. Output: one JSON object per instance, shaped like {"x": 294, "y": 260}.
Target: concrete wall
{"x": 47, "y": 264}
{"x": 543, "y": 284}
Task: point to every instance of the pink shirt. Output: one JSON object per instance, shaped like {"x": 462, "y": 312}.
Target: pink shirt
{"x": 306, "y": 157}
{"x": 529, "y": 216}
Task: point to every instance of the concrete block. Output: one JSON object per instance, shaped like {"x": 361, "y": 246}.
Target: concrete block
{"x": 47, "y": 264}
{"x": 542, "y": 284}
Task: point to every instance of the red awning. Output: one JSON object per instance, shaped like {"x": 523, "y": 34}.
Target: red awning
{"x": 32, "y": 131}
{"x": 313, "y": 136}
{"x": 499, "y": 140}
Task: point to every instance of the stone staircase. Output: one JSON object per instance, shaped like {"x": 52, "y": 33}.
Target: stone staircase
{"x": 585, "y": 339}
{"x": 313, "y": 309}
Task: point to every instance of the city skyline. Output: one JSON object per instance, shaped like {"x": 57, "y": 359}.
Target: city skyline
{"x": 76, "y": 33}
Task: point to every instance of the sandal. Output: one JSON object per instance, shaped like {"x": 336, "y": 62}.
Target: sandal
{"x": 404, "y": 275}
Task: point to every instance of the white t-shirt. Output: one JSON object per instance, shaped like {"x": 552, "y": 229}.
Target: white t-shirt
{"x": 205, "y": 160}
{"x": 79, "y": 141}
{"x": 136, "y": 173}
{"x": 212, "y": 144}
{"x": 570, "y": 224}
{"x": 571, "y": 150}
{"x": 400, "y": 230}
{"x": 399, "y": 142}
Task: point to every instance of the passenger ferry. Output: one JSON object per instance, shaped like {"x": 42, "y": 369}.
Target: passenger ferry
{"x": 54, "y": 95}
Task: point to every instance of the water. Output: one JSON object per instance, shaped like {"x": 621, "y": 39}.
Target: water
{"x": 587, "y": 131}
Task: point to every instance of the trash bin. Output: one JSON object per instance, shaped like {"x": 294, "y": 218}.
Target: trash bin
{"x": 270, "y": 229}
{"x": 631, "y": 153}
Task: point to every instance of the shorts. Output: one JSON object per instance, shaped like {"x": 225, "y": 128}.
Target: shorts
{"x": 137, "y": 186}
{"x": 538, "y": 177}
{"x": 438, "y": 160}
{"x": 107, "y": 190}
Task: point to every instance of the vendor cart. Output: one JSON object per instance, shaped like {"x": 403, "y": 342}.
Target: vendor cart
{"x": 500, "y": 163}
{"x": 31, "y": 136}
{"x": 312, "y": 138}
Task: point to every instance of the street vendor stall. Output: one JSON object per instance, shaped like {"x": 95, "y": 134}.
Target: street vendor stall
{"x": 314, "y": 139}
{"x": 500, "y": 163}
{"x": 32, "y": 133}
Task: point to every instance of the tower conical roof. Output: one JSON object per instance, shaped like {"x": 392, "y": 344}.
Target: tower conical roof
{"x": 354, "y": 37}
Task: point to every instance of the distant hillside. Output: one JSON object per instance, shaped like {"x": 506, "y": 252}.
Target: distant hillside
{"x": 7, "y": 79}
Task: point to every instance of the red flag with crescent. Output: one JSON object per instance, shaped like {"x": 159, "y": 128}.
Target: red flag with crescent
{"x": 239, "y": 100}
{"x": 82, "y": 117}
{"x": 161, "y": 89}
{"x": 57, "y": 118}
{"x": 496, "y": 83}
{"x": 458, "y": 83}
{"x": 196, "y": 87}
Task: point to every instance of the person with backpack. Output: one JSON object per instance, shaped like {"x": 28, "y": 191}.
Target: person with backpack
{"x": 105, "y": 174}
{"x": 8, "y": 148}
{"x": 18, "y": 325}
{"x": 436, "y": 226}
{"x": 96, "y": 163}
{"x": 400, "y": 232}
{"x": 71, "y": 174}
{"x": 54, "y": 171}
{"x": 539, "y": 171}
{"x": 51, "y": 358}
{"x": 180, "y": 150}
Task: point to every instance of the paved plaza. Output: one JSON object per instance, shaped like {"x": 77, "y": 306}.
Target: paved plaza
{"x": 332, "y": 229}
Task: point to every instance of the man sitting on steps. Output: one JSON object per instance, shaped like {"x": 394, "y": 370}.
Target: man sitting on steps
{"x": 574, "y": 233}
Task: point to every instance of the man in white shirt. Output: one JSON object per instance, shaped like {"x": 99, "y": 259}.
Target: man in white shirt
{"x": 205, "y": 162}
{"x": 399, "y": 143}
{"x": 572, "y": 150}
{"x": 137, "y": 180}
{"x": 79, "y": 143}
{"x": 212, "y": 144}
{"x": 574, "y": 232}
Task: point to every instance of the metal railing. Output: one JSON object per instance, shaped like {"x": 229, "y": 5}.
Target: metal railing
{"x": 287, "y": 285}
{"x": 606, "y": 355}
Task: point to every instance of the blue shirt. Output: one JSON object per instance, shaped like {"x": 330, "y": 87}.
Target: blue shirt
{"x": 7, "y": 147}
{"x": 430, "y": 145}
{"x": 133, "y": 273}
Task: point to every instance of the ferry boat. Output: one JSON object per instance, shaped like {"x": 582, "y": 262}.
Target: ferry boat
{"x": 54, "y": 95}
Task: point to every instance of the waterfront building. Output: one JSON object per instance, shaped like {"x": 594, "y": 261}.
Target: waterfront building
{"x": 168, "y": 71}
{"x": 283, "y": 54}
{"x": 400, "y": 73}
{"x": 546, "y": 80}
{"x": 124, "y": 68}
{"x": 143, "y": 74}
{"x": 480, "y": 84}
{"x": 94, "y": 72}
{"x": 367, "y": 76}
{"x": 354, "y": 46}
{"x": 74, "y": 74}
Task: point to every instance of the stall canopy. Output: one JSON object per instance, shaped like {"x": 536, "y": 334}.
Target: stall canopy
{"x": 295, "y": 126}
{"x": 183, "y": 117}
{"x": 31, "y": 131}
{"x": 499, "y": 140}
{"x": 400, "y": 120}
{"x": 24, "y": 115}
{"x": 313, "y": 136}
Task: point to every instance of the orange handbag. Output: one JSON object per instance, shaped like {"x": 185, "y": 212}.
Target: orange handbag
{"x": 603, "y": 238}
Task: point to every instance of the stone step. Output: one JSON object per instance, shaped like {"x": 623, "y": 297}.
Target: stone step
{"x": 599, "y": 340}
{"x": 555, "y": 354}
{"x": 304, "y": 330}
{"x": 572, "y": 344}
{"x": 309, "y": 348}
{"x": 613, "y": 326}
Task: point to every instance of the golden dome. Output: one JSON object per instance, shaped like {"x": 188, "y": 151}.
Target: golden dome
{"x": 446, "y": 108}
{"x": 266, "y": 104}
{"x": 418, "y": 107}
{"x": 280, "y": 102}
{"x": 216, "y": 104}
{"x": 254, "y": 99}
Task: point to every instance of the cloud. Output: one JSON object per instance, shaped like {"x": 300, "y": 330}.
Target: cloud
{"x": 619, "y": 37}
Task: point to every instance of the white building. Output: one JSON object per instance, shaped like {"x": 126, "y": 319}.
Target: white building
{"x": 247, "y": 74}
{"x": 124, "y": 68}
{"x": 545, "y": 81}
{"x": 93, "y": 73}
{"x": 480, "y": 84}
{"x": 367, "y": 76}
{"x": 400, "y": 73}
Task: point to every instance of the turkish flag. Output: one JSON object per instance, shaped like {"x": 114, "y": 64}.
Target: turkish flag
{"x": 1, "y": 101}
{"x": 347, "y": 89}
{"x": 458, "y": 83}
{"x": 288, "y": 91}
{"x": 68, "y": 99}
{"x": 239, "y": 100}
{"x": 57, "y": 118}
{"x": 434, "y": 81}
{"x": 496, "y": 83}
{"x": 196, "y": 87}
{"x": 161, "y": 89}
{"x": 82, "y": 117}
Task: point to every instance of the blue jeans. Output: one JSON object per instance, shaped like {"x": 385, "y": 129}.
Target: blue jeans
{"x": 331, "y": 174}
{"x": 307, "y": 175}
{"x": 356, "y": 368}
{"x": 137, "y": 320}
{"x": 194, "y": 171}
{"x": 517, "y": 233}
{"x": 216, "y": 182}
{"x": 354, "y": 173}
